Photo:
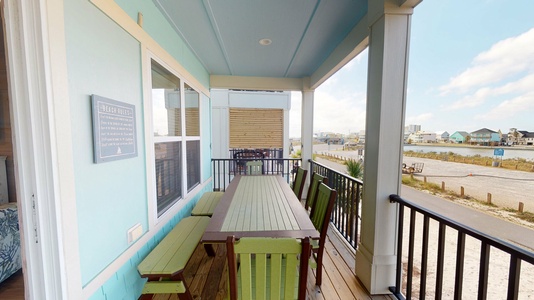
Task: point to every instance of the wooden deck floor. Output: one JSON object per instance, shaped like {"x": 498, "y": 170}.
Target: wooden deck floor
{"x": 207, "y": 278}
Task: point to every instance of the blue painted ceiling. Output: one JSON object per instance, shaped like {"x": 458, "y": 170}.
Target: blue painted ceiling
{"x": 225, "y": 34}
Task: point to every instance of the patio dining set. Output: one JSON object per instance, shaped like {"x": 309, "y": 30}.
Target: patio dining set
{"x": 272, "y": 237}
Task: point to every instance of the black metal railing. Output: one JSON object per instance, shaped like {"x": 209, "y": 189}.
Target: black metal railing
{"x": 225, "y": 169}
{"x": 406, "y": 285}
{"x": 346, "y": 213}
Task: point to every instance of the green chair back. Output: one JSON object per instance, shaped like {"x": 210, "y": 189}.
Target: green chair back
{"x": 322, "y": 208}
{"x": 320, "y": 217}
{"x": 254, "y": 167}
{"x": 269, "y": 268}
{"x": 298, "y": 185}
{"x": 312, "y": 190}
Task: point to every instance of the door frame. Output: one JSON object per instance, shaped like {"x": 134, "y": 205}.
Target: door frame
{"x": 38, "y": 92}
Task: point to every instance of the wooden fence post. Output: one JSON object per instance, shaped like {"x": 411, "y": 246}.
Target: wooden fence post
{"x": 462, "y": 191}
{"x": 520, "y": 207}
{"x": 443, "y": 185}
{"x": 489, "y": 198}
{"x": 424, "y": 179}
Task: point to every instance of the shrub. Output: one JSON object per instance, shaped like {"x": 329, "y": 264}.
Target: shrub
{"x": 354, "y": 168}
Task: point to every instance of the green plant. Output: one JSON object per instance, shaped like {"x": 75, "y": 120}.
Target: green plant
{"x": 354, "y": 168}
{"x": 297, "y": 154}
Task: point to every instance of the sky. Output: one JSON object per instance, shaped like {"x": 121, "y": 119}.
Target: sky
{"x": 471, "y": 66}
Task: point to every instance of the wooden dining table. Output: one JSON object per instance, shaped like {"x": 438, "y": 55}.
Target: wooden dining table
{"x": 259, "y": 206}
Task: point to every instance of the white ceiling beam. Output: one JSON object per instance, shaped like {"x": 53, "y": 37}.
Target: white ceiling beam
{"x": 256, "y": 83}
{"x": 409, "y": 3}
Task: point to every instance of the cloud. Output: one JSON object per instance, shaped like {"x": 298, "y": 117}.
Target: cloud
{"x": 509, "y": 109}
{"x": 523, "y": 85}
{"x": 505, "y": 59}
{"x": 339, "y": 114}
{"x": 422, "y": 118}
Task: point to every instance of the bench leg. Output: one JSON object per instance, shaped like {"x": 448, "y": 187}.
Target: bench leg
{"x": 187, "y": 295}
{"x": 209, "y": 250}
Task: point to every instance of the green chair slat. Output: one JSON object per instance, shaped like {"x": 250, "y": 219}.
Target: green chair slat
{"x": 298, "y": 185}
{"x": 316, "y": 179}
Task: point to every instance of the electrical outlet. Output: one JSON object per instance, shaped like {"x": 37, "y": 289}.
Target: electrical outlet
{"x": 135, "y": 232}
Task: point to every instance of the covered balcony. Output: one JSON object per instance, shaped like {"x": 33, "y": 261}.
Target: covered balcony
{"x": 94, "y": 221}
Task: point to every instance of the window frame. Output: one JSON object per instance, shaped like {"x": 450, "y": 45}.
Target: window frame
{"x": 151, "y": 140}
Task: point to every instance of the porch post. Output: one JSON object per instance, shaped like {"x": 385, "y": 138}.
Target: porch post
{"x": 388, "y": 59}
{"x": 307, "y": 127}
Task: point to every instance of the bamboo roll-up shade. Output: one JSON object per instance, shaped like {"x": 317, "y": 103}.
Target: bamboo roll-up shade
{"x": 192, "y": 124}
{"x": 256, "y": 128}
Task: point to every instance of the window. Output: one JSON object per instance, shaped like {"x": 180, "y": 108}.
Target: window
{"x": 176, "y": 131}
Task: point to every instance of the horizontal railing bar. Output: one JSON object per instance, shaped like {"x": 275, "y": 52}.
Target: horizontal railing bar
{"x": 337, "y": 172}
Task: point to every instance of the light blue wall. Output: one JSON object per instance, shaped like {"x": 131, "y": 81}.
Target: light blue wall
{"x": 155, "y": 24}
{"x": 495, "y": 137}
{"x": 111, "y": 197}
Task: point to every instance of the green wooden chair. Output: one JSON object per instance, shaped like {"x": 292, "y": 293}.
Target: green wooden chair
{"x": 320, "y": 217}
{"x": 298, "y": 184}
{"x": 254, "y": 167}
{"x": 316, "y": 179}
{"x": 269, "y": 268}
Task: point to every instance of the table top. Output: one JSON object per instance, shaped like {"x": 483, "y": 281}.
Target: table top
{"x": 259, "y": 206}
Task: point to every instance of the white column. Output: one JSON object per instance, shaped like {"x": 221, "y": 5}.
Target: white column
{"x": 307, "y": 128}
{"x": 388, "y": 59}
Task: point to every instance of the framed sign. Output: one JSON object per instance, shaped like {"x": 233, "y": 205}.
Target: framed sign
{"x": 498, "y": 152}
{"x": 114, "y": 135}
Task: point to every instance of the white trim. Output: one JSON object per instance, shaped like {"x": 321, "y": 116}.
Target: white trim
{"x": 256, "y": 83}
{"x": 35, "y": 45}
{"x": 146, "y": 64}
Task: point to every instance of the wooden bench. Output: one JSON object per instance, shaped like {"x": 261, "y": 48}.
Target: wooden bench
{"x": 207, "y": 203}
{"x": 164, "y": 265}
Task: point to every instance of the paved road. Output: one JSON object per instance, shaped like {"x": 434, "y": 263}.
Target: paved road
{"x": 507, "y": 187}
{"x": 504, "y": 230}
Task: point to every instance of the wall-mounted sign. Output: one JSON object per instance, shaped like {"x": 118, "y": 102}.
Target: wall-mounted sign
{"x": 114, "y": 135}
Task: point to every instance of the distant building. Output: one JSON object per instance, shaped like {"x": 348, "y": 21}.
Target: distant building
{"x": 412, "y": 128}
{"x": 421, "y": 137}
{"x": 485, "y": 137}
{"x": 459, "y": 137}
{"x": 442, "y": 136}
{"x": 361, "y": 137}
{"x": 520, "y": 137}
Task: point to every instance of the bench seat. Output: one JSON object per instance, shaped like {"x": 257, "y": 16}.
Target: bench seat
{"x": 207, "y": 203}
{"x": 164, "y": 265}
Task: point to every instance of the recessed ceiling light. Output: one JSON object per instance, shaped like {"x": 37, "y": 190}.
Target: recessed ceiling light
{"x": 265, "y": 42}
